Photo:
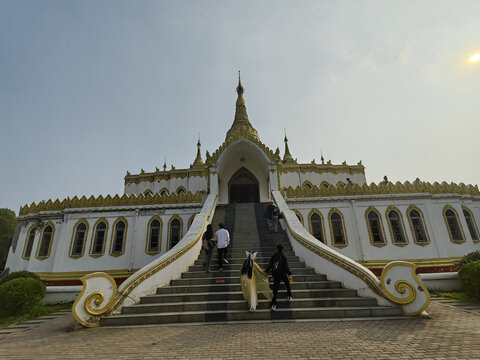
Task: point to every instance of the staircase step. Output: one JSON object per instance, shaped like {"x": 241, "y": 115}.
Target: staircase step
{"x": 238, "y": 295}
{"x": 234, "y": 271}
{"x": 216, "y": 277}
{"x": 260, "y": 314}
{"x": 213, "y": 287}
{"x": 241, "y": 304}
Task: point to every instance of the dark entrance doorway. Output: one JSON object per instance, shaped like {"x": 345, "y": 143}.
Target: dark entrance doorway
{"x": 243, "y": 187}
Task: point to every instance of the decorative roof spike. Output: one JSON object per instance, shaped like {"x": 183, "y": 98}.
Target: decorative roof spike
{"x": 241, "y": 125}
{"x": 198, "y": 160}
{"x": 287, "y": 157}
{"x": 165, "y": 164}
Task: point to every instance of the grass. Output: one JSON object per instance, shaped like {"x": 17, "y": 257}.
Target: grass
{"x": 458, "y": 295}
{"x": 36, "y": 311}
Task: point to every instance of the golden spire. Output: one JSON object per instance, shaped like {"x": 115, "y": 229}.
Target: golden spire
{"x": 241, "y": 124}
{"x": 198, "y": 160}
{"x": 287, "y": 157}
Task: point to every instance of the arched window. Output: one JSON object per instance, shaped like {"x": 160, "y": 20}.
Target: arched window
{"x": 163, "y": 192}
{"x": 99, "y": 236}
{"x": 27, "y": 251}
{"x": 375, "y": 227}
{"x": 117, "y": 246}
{"x": 174, "y": 231}
{"x": 78, "y": 239}
{"x": 454, "y": 229}
{"x": 337, "y": 228}
{"x": 417, "y": 225}
{"x": 471, "y": 224}
{"x": 299, "y": 215}
{"x": 45, "y": 244}
{"x": 181, "y": 190}
{"x": 190, "y": 221}
{"x": 324, "y": 185}
{"x": 154, "y": 240}
{"x": 395, "y": 224}
{"x": 148, "y": 192}
{"x": 316, "y": 225}
{"x": 307, "y": 185}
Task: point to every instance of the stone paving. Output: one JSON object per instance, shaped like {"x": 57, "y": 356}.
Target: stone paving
{"x": 449, "y": 334}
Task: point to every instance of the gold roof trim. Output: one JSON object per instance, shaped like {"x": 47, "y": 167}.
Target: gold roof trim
{"x": 322, "y": 168}
{"x": 374, "y": 189}
{"x": 164, "y": 175}
{"x": 100, "y": 201}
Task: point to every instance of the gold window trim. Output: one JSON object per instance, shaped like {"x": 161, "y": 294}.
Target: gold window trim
{"x": 417, "y": 209}
{"x": 33, "y": 227}
{"x": 74, "y": 231}
{"x": 310, "y": 227}
{"x": 41, "y": 240}
{"x": 382, "y": 228}
{"x": 164, "y": 189}
{"x": 342, "y": 218}
{"x": 190, "y": 221}
{"x": 300, "y": 215}
{"x": 147, "y": 241}
{"x": 105, "y": 239}
{"x": 121, "y": 218}
{"x": 181, "y": 188}
{"x": 402, "y": 223}
{"x": 307, "y": 184}
{"x": 464, "y": 207}
{"x": 175, "y": 216}
{"x": 449, "y": 207}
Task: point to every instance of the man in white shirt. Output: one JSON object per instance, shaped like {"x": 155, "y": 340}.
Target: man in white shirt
{"x": 223, "y": 240}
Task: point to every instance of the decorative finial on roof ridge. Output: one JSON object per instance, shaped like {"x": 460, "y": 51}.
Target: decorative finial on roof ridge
{"x": 287, "y": 157}
{"x": 240, "y": 88}
{"x": 198, "y": 160}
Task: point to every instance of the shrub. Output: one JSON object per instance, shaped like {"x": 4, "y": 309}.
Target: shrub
{"x": 469, "y": 276}
{"x": 473, "y": 256}
{"x": 19, "y": 274}
{"x": 18, "y": 296}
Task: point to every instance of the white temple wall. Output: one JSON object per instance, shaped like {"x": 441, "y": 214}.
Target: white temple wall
{"x": 192, "y": 184}
{"x": 359, "y": 244}
{"x": 294, "y": 179}
{"x": 134, "y": 255}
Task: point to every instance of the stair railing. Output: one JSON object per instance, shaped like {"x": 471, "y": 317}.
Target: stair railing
{"x": 100, "y": 296}
{"x": 398, "y": 284}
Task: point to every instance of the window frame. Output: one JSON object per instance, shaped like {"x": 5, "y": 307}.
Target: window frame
{"x": 180, "y": 235}
{"x": 457, "y": 218}
{"x": 148, "y": 238}
{"x": 310, "y": 225}
{"x": 402, "y": 226}
{"x": 342, "y": 219}
{"x": 475, "y": 227}
{"x": 113, "y": 236}
{"x": 33, "y": 228}
{"x": 74, "y": 238}
{"x": 181, "y": 188}
{"x": 412, "y": 229}
{"x": 41, "y": 239}
{"x": 381, "y": 227}
{"x": 105, "y": 238}
{"x": 299, "y": 216}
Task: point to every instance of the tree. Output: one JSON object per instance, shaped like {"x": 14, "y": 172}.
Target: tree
{"x": 7, "y": 227}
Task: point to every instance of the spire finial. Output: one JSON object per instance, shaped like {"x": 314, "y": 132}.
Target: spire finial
{"x": 239, "y": 87}
{"x": 198, "y": 143}
{"x": 165, "y": 164}
{"x": 198, "y": 160}
{"x": 287, "y": 157}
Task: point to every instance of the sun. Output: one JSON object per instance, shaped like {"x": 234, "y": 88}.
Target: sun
{"x": 474, "y": 58}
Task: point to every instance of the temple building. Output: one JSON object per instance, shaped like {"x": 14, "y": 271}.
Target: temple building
{"x": 431, "y": 225}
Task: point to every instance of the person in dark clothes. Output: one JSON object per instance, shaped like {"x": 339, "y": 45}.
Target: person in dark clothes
{"x": 281, "y": 272}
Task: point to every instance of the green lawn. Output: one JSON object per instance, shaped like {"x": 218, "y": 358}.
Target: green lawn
{"x": 36, "y": 311}
{"x": 458, "y": 295}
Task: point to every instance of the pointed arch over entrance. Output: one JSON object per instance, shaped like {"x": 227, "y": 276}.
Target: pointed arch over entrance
{"x": 243, "y": 187}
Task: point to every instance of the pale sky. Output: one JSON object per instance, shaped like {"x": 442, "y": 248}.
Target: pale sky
{"x": 91, "y": 89}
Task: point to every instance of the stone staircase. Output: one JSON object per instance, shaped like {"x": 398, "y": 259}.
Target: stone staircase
{"x": 216, "y": 297}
